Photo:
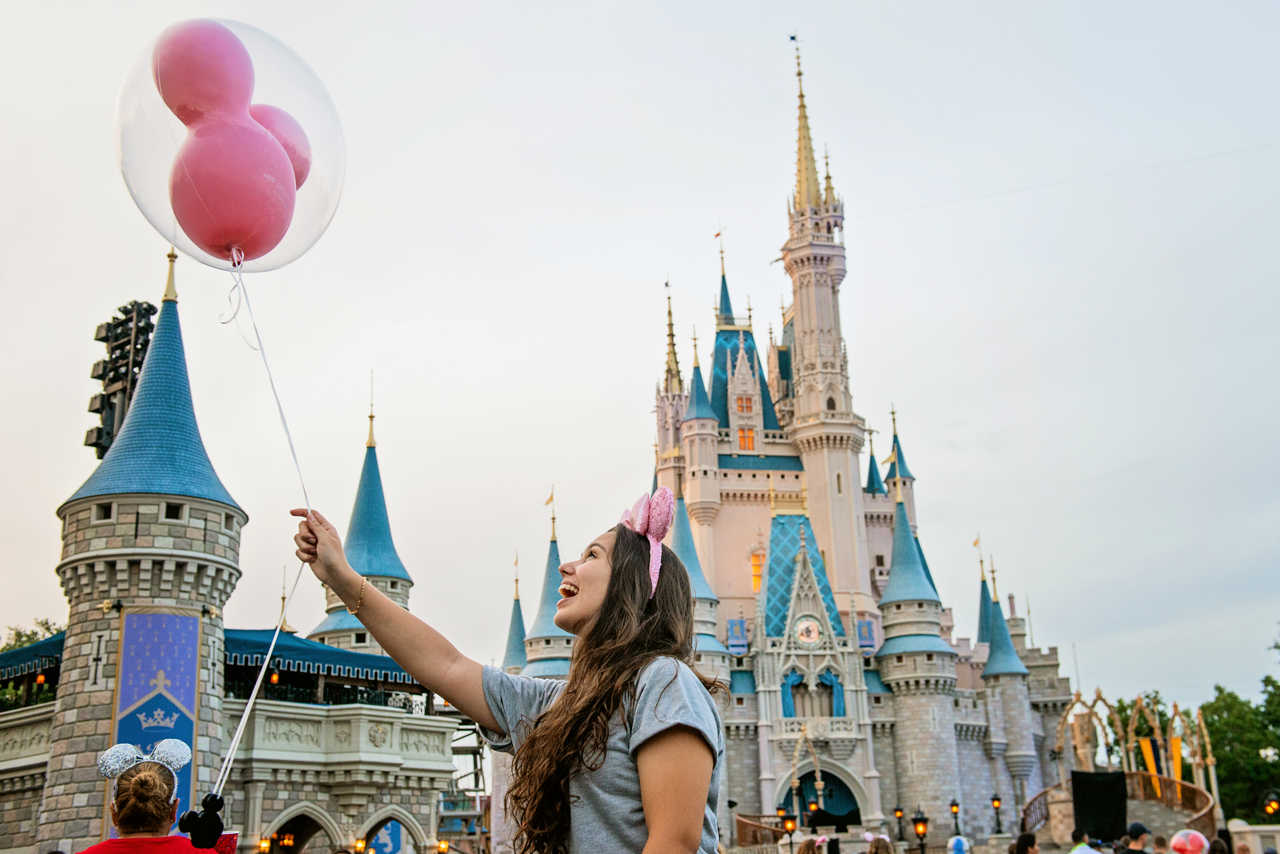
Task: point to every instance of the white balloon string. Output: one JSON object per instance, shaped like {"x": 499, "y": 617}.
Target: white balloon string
{"x": 233, "y": 314}
{"x": 225, "y": 770}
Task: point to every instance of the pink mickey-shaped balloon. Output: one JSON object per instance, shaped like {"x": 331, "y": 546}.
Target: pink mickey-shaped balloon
{"x": 200, "y": 67}
{"x": 234, "y": 182}
{"x": 232, "y": 187}
{"x": 289, "y": 134}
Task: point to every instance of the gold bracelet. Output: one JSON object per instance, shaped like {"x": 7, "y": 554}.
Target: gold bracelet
{"x": 359, "y": 599}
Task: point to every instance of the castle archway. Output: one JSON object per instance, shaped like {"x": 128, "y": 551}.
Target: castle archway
{"x": 408, "y": 826}
{"x": 842, "y": 795}
{"x": 304, "y": 824}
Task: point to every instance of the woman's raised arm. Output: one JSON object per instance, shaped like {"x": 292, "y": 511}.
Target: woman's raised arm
{"x": 424, "y": 653}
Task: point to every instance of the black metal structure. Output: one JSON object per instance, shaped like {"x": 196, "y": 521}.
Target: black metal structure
{"x": 127, "y": 337}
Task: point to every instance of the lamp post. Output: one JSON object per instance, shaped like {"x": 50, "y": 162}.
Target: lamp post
{"x": 789, "y": 825}
{"x": 920, "y": 822}
{"x": 897, "y": 813}
{"x": 995, "y": 805}
{"x": 813, "y": 816}
{"x": 955, "y": 814}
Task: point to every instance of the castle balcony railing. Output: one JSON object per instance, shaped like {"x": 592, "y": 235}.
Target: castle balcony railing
{"x": 845, "y": 727}
{"x": 366, "y": 742}
{"x": 329, "y": 694}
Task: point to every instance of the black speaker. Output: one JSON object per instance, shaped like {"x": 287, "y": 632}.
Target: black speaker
{"x": 1100, "y": 803}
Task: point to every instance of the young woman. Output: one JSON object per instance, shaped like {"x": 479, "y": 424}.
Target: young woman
{"x": 627, "y": 754}
{"x": 143, "y": 805}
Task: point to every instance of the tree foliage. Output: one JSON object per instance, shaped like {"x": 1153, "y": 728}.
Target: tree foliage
{"x": 19, "y": 636}
{"x": 1241, "y": 732}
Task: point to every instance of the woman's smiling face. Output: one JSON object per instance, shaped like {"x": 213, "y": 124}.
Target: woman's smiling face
{"x": 583, "y": 584}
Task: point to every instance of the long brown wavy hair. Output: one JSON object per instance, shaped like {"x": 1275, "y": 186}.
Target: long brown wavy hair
{"x": 630, "y": 631}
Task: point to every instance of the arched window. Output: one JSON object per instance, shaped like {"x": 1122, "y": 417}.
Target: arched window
{"x": 831, "y": 404}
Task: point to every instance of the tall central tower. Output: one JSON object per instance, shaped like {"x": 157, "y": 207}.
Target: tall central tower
{"x": 823, "y": 425}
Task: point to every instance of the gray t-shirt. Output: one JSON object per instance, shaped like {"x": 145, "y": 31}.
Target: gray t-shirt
{"x": 607, "y": 814}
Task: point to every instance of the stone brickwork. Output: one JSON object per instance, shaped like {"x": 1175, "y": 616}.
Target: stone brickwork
{"x": 976, "y": 816}
{"x": 886, "y": 764}
{"x": 742, "y": 768}
{"x": 20, "y": 808}
{"x": 924, "y": 736}
{"x": 141, "y": 522}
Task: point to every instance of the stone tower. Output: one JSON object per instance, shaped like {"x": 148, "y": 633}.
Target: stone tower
{"x": 919, "y": 667}
{"x": 826, "y": 430}
{"x": 372, "y": 553}
{"x": 1008, "y": 706}
{"x": 150, "y": 554}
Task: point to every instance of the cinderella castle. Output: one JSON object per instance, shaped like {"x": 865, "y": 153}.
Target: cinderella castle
{"x": 849, "y": 699}
{"x": 850, "y": 702}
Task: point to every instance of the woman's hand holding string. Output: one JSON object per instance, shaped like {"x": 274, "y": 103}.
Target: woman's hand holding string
{"x": 424, "y": 653}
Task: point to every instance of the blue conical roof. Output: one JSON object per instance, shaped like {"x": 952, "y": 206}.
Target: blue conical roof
{"x": 682, "y": 545}
{"x": 369, "y": 548}
{"x": 984, "y": 612}
{"x": 726, "y": 307}
{"x": 908, "y": 581}
{"x": 515, "y": 657}
{"x": 1002, "y": 660}
{"x": 699, "y": 403}
{"x": 875, "y": 486}
{"x": 544, "y": 624}
{"x": 925, "y": 563}
{"x": 898, "y": 468}
{"x": 159, "y": 450}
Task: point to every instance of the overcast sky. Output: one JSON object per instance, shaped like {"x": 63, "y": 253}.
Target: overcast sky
{"x": 1061, "y": 233}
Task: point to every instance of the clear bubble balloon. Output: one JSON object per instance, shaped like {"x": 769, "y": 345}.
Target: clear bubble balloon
{"x": 230, "y": 145}
{"x": 1189, "y": 842}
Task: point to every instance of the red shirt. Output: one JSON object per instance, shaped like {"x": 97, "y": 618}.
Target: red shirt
{"x": 143, "y": 845}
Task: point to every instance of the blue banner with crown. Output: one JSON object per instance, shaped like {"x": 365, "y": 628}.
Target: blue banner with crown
{"x": 157, "y": 688}
{"x": 737, "y": 639}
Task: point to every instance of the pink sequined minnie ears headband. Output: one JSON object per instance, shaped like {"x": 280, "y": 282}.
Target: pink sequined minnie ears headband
{"x": 651, "y": 518}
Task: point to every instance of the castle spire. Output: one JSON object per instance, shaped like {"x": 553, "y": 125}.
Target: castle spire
{"x": 369, "y": 547}
{"x": 808, "y": 194}
{"x": 828, "y": 191}
{"x": 699, "y": 403}
{"x": 1002, "y": 660}
{"x": 673, "y": 384}
{"x": 875, "y": 484}
{"x": 724, "y": 312}
{"x": 514, "y": 660}
{"x": 984, "y": 606}
{"x": 159, "y": 450}
{"x": 897, "y": 461}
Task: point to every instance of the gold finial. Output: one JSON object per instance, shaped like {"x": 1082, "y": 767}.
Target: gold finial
{"x": 170, "y": 291}
{"x": 517, "y": 576}
{"x": 871, "y": 443}
{"x": 720, "y": 234}
{"x": 748, "y": 310}
{"x": 370, "y": 443}
{"x": 982, "y": 568}
{"x": 995, "y": 595}
{"x": 893, "y": 415}
{"x": 552, "y": 501}
{"x": 284, "y": 624}
{"x": 695, "y": 346}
